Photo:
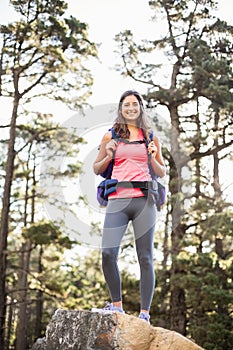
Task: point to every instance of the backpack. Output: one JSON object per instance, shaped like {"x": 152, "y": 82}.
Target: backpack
{"x": 108, "y": 185}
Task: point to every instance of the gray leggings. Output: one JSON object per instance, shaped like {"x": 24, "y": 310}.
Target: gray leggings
{"x": 142, "y": 213}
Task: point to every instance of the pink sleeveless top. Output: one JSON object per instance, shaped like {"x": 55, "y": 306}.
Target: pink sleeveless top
{"x": 131, "y": 164}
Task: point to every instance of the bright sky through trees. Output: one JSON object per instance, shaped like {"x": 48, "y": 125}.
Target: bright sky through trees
{"x": 105, "y": 19}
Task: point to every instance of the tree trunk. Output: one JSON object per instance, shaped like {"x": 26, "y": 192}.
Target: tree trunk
{"x": 39, "y": 300}
{"x": 9, "y": 325}
{"x": 177, "y": 298}
{"x": 24, "y": 264}
{"x": 22, "y": 324}
{"x": 217, "y": 186}
{"x": 197, "y": 146}
{"x": 178, "y": 309}
{"x": 5, "y": 219}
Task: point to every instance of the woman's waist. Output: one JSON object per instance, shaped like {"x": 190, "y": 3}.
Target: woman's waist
{"x": 129, "y": 176}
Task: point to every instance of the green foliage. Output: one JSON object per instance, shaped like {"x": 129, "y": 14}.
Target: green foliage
{"x": 85, "y": 286}
{"x": 206, "y": 276}
{"x": 48, "y": 49}
{"x": 31, "y": 9}
{"x": 41, "y": 233}
{"x": 209, "y": 301}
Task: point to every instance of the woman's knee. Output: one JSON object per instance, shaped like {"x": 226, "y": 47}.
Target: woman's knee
{"x": 108, "y": 255}
{"x": 145, "y": 260}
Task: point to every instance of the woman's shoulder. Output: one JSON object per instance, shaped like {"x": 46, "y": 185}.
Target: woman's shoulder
{"x": 156, "y": 141}
{"x": 107, "y": 136}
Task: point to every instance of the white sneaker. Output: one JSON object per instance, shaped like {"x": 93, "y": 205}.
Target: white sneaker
{"x": 108, "y": 308}
{"x": 144, "y": 316}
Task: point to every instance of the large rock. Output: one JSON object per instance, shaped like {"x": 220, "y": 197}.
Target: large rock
{"x": 85, "y": 330}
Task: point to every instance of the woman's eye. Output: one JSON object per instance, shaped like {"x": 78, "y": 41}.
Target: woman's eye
{"x": 133, "y": 105}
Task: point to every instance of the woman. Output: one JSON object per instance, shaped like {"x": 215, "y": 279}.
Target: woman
{"x": 129, "y": 203}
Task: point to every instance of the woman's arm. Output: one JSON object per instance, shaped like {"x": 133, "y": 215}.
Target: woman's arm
{"x": 157, "y": 162}
{"x": 107, "y": 146}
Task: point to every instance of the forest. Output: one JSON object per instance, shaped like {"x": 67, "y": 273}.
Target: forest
{"x": 188, "y": 74}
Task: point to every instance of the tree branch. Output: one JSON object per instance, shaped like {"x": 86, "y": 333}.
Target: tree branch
{"x": 211, "y": 151}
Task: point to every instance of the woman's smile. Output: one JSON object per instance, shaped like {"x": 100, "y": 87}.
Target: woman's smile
{"x": 131, "y": 108}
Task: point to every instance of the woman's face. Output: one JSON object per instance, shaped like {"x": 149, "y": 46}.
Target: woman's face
{"x": 130, "y": 109}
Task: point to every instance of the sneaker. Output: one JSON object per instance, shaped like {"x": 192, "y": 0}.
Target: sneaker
{"x": 144, "y": 316}
{"x": 109, "y": 307}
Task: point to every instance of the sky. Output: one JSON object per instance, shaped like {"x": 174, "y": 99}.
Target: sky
{"x": 108, "y": 18}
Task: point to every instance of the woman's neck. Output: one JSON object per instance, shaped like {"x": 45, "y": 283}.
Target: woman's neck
{"x": 134, "y": 132}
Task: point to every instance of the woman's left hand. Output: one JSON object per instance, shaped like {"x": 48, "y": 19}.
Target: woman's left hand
{"x": 152, "y": 149}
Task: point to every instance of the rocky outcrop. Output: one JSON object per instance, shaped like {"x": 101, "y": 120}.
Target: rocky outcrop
{"x": 85, "y": 330}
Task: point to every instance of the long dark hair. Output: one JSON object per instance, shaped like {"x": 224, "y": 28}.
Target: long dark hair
{"x": 120, "y": 125}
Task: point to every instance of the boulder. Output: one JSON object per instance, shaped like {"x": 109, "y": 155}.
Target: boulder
{"x": 86, "y": 330}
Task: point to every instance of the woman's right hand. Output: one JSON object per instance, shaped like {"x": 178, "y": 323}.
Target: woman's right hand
{"x": 107, "y": 147}
{"x": 110, "y": 147}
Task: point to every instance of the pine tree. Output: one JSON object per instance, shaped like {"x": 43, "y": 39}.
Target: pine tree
{"x": 38, "y": 51}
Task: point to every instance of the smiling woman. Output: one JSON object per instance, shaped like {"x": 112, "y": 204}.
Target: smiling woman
{"x": 131, "y": 199}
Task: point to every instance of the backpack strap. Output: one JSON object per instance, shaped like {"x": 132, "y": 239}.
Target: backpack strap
{"x": 150, "y": 137}
{"x": 147, "y": 142}
{"x": 107, "y": 173}
{"x": 116, "y": 137}
{"x": 153, "y": 175}
{"x": 131, "y": 142}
